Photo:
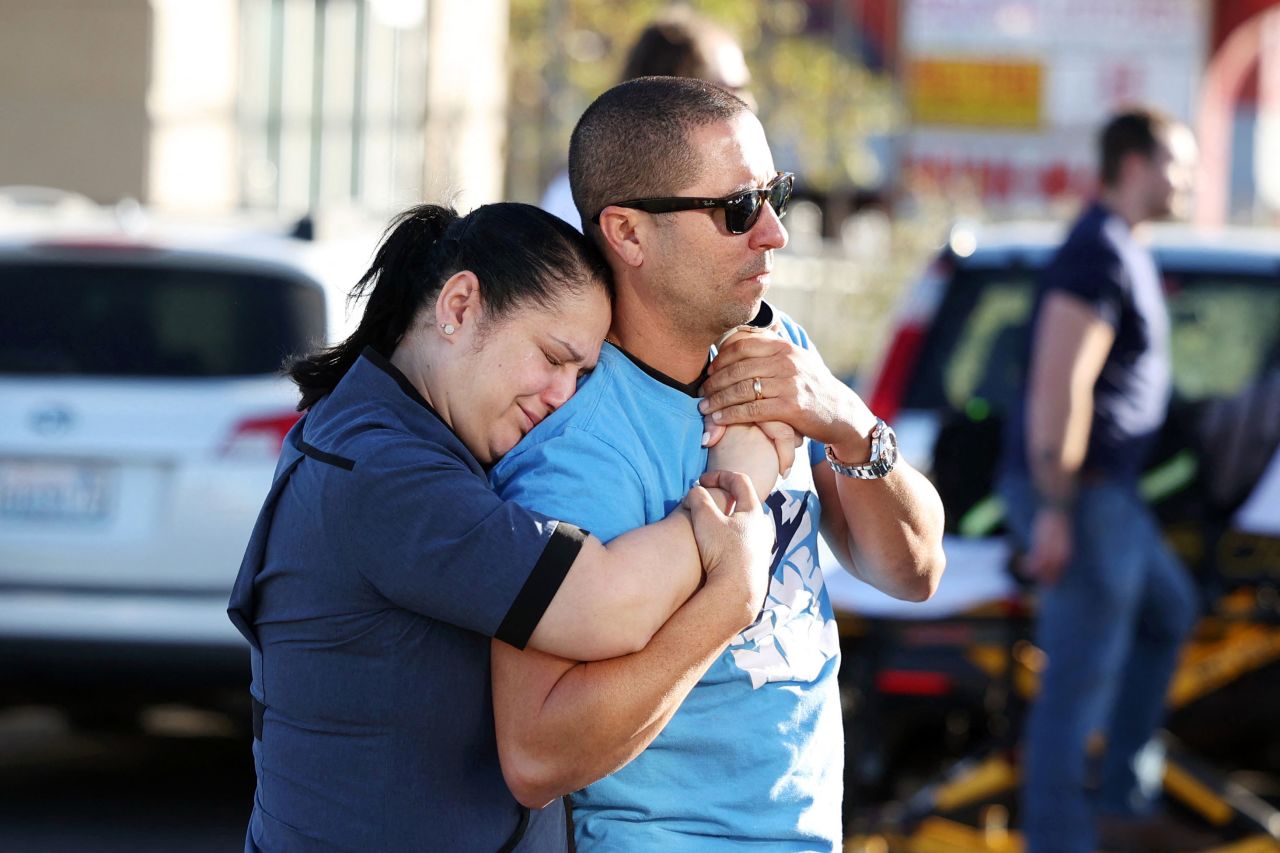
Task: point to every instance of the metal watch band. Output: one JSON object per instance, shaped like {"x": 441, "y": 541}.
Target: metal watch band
{"x": 884, "y": 455}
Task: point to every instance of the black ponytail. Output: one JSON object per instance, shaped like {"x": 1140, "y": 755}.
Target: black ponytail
{"x": 520, "y": 254}
{"x": 395, "y": 284}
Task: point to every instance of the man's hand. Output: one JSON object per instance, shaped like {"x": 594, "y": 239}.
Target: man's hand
{"x": 796, "y": 389}
{"x": 1051, "y": 544}
{"x": 887, "y": 532}
{"x": 785, "y": 439}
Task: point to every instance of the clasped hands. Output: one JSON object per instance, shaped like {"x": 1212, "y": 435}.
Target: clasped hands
{"x": 786, "y": 390}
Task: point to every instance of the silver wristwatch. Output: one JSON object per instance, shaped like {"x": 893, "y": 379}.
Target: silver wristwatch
{"x": 884, "y": 455}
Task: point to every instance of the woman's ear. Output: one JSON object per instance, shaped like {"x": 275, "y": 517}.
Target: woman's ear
{"x": 621, "y": 228}
{"x": 458, "y": 305}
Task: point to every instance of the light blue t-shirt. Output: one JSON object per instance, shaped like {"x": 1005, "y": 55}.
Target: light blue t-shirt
{"x": 754, "y": 756}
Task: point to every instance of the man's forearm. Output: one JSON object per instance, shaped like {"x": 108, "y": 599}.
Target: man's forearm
{"x": 1055, "y": 483}
{"x": 1058, "y": 438}
{"x": 892, "y": 529}
{"x": 1070, "y": 348}
{"x": 562, "y": 725}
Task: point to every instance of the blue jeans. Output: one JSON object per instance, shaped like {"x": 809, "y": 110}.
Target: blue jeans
{"x": 1111, "y": 627}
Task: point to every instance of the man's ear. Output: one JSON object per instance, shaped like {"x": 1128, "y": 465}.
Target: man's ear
{"x": 458, "y": 303}
{"x": 622, "y": 232}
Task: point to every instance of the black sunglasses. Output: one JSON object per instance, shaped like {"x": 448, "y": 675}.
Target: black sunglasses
{"x": 741, "y": 210}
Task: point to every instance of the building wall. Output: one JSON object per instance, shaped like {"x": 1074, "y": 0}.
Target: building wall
{"x": 214, "y": 106}
{"x": 74, "y": 76}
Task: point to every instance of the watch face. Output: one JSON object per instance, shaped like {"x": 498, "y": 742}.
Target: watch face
{"x": 886, "y": 451}
{"x": 884, "y": 455}
{"x": 889, "y": 443}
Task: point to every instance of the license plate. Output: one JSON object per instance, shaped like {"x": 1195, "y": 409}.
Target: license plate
{"x": 37, "y": 490}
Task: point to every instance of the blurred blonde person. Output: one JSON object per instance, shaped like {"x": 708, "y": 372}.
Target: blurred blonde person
{"x": 676, "y": 44}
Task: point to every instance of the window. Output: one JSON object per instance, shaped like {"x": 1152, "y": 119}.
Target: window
{"x": 973, "y": 359}
{"x": 121, "y": 320}
{"x": 332, "y": 103}
{"x": 1225, "y": 331}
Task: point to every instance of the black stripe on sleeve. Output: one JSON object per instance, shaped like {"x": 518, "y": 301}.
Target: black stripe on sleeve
{"x": 542, "y": 584}
{"x": 327, "y": 458}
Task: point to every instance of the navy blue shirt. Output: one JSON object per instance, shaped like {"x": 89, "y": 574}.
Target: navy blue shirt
{"x": 1101, "y": 265}
{"x": 379, "y": 568}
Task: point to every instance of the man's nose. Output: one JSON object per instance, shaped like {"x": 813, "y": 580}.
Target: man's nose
{"x": 769, "y": 232}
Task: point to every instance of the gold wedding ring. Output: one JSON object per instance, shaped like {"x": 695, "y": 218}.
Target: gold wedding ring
{"x": 755, "y": 386}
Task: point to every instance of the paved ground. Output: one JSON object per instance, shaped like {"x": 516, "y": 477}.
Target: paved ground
{"x": 184, "y": 784}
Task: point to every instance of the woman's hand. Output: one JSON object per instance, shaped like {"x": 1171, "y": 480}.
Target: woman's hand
{"x": 736, "y": 545}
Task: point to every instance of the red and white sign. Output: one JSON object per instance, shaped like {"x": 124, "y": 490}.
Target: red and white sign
{"x": 1031, "y": 147}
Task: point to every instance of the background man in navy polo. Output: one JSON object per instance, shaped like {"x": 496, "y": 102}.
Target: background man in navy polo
{"x": 1115, "y": 604}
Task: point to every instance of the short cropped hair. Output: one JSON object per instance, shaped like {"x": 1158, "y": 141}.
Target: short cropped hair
{"x": 1134, "y": 131}
{"x": 634, "y": 140}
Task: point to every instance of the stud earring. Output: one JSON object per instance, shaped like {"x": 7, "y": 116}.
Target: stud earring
{"x": 448, "y": 328}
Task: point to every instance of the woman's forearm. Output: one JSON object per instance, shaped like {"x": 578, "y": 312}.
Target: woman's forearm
{"x": 618, "y": 595}
{"x": 745, "y": 448}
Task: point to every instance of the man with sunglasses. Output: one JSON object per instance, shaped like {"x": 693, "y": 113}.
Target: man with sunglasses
{"x": 741, "y": 209}
{"x": 676, "y": 184}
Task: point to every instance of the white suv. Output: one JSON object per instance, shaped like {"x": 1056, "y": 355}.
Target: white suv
{"x": 142, "y": 408}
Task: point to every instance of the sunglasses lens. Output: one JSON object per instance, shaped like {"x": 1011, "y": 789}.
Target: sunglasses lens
{"x": 742, "y": 212}
{"x": 780, "y": 195}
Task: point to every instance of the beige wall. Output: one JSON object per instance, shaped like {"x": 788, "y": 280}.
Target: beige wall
{"x": 73, "y": 87}
{"x": 140, "y": 98}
